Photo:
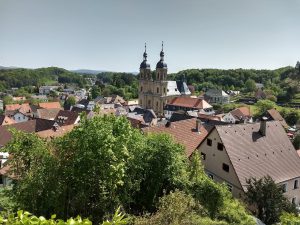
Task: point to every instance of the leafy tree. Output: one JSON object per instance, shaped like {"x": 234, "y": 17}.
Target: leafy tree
{"x": 71, "y": 101}
{"x": 268, "y": 199}
{"x": 250, "y": 85}
{"x": 178, "y": 208}
{"x": 95, "y": 92}
{"x": 7, "y": 100}
{"x": 264, "y": 105}
{"x": 296, "y": 142}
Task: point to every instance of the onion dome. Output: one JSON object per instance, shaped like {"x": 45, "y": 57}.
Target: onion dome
{"x": 145, "y": 64}
{"x": 161, "y": 63}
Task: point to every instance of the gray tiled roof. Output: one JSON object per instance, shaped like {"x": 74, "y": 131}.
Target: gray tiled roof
{"x": 254, "y": 155}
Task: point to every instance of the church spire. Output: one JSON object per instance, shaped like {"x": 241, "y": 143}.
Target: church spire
{"x": 161, "y": 63}
{"x": 144, "y": 64}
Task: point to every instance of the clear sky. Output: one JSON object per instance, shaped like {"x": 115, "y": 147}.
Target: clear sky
{"x": 110, "y": 34}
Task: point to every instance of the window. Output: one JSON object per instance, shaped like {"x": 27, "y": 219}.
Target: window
{"x": 141, "y": 88}
{"x": 211, "y": 176}
{"x": 296, "y": 184}
{"x": 209, "y": 142}
{"x": 1, "y": 179}
{"x": 220, "y": 146}
{"x": 157, "y": 90}
{"x": 203, "y": 156}
{"x": 229, "y": 187}
{"x": 225, "y": 167}
{"x": 165, "y": 90}
{"x": 156, "y": 104}
{"x": 294, "y": 200}
{"x": 284, "y": 187}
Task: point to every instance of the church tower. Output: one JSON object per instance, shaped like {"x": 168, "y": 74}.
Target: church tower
{"x": 145, "y": 81}
{"x": 154, "y": 92}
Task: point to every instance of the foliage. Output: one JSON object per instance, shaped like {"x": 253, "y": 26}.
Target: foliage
{"x": 105, "y": 163}
{"x": 37, "y": 77}
{"x": 69, "y": 102}
{"x": 264, "y": 105}
{"x": 6, "y": 202}
{"x": 28, "y": 219}
{"x": 215, "y": 198}
{"x": 178, "y": 208}
{"x": 250, "y": 85}
{"x": 296, "y": 142}
{"x": 289, "y": 219}
{"x": 268, "y": 199}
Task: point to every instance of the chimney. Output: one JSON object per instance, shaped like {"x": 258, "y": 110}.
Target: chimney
{"x": 263, "y": 126}
{"x": 198, "y": 125}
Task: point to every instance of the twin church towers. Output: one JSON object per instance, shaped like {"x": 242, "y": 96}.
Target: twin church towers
{"x": 154, "y": 89}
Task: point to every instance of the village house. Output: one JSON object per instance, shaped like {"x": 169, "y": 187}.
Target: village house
{"x": 239, "y": 115}
{"x": 65, "y": 117}
{"x": 235, "y": 153}
{"x": 142, "y": 117}
{"x": 45, "y": 90}
{"x": 216, "y": 96}
{"x": 48, "y": 114}
{"x": 19, "y": 112}
{"x": 5, "y": 120}
{"x": 187, "y": 104}
{"x": 50, "y": 105}
{"x": 188, "y": 132}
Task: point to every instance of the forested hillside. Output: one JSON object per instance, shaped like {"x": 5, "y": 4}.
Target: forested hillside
{"x": 36, "y": 77}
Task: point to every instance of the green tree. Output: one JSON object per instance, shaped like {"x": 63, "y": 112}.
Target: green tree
{"x": 268, "y": 199}
{"x": 264, "y": 105}
{"x": 95, "y": 92}
{"x": 296, "y": 142}
{"x": 250, "y": 85}
{"x": 178, "y": 208}
{"x": 71, "y": 101}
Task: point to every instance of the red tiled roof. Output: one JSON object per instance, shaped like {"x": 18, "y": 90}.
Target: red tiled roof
{"x": 241, "y": 112}
{"x": 254, "y": 155}
{"x": 48, "y": 114}
{"x": 51, "y": 133}
{"x": 50, "y": 105}
{"x": 195, "y": 103}
{"x": 12, "y": 107}
{"x": 276, "y": 116}
{"x": 184, "y": 133}
{"x": 5, "y": 120}
{"x": 29, "y": 126}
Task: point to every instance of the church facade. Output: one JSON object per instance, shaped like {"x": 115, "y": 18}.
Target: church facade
{"x": 155, "y": 90}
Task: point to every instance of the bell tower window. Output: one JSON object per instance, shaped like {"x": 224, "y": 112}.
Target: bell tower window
{"x": 157, "y": 89}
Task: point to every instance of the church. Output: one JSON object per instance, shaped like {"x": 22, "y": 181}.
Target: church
{"x": 155, "y": 90}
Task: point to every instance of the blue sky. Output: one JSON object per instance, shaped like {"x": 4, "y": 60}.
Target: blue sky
{"x": 110, "y": 34}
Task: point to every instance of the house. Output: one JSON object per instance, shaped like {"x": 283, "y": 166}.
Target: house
{"x": 216, "y": 96}
{"x": 5, "y": 120}
{"x": 30, "y": 126}
{"x": 146, "y": 116}
{"x": 260, "y": 94}
{"x": 55, "y": 131}
{"x": 50, "y": 105}
{"x": 19, "y": 99}
{"x": 79, "y": 111}
{"x": 187, "y": 104}
{"x": 273, "y": 114}
{"x": 114, "y": 99}
{"x": 19, "y": 112}
{"x": 235, "y": 153}
{"x": 65, "y": 117}
{"x": 47, "y": 114}
{"x": 239, "y": 115}
{"x": 45, "y": 90}
{"x": 189, "y": 132}
{"x": 42, "y": 98}
{"x": 80, "y": 93}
